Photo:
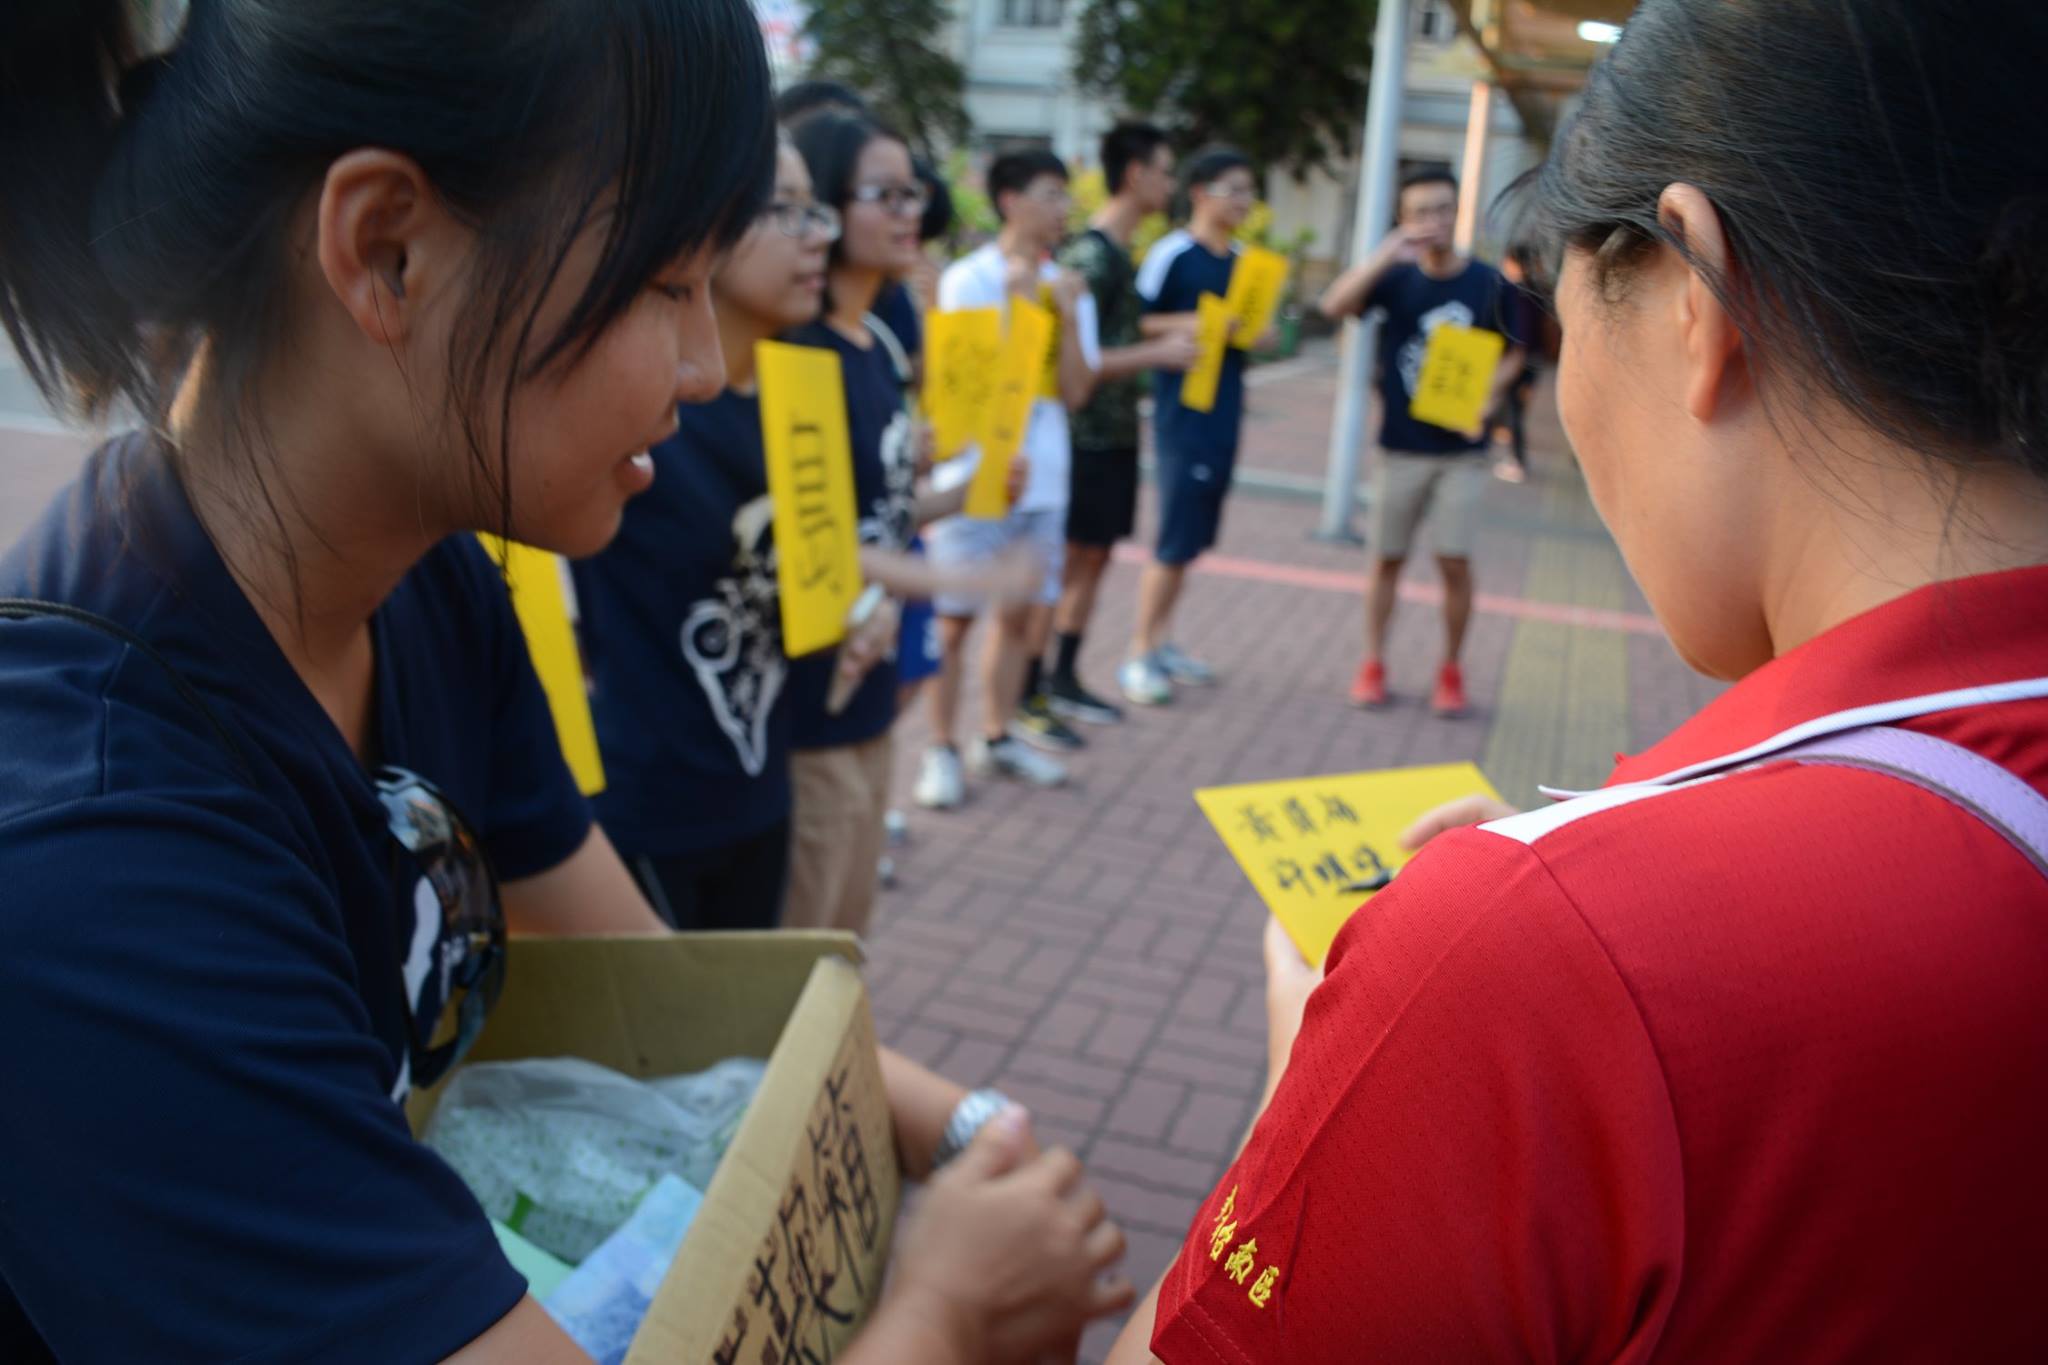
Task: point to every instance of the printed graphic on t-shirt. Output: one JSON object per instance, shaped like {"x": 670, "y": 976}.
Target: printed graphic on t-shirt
{"x": 1412, "y": 354}
{"x": 733, "y": 641}
{"x": 891, "y": 521}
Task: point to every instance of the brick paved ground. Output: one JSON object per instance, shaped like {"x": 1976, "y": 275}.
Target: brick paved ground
{"x": 1093, "y": 951}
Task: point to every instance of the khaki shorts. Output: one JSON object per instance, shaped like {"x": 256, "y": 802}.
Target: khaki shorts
{"x": 1444, "y": 488}
{"x": 836, "y": 838}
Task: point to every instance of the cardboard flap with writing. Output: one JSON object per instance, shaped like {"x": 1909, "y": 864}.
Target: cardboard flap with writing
{"x": 787, "y": 1255}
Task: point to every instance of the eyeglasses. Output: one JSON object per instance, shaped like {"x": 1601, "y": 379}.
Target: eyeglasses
{"x": 805, "y": 220}
{"x": 1243, "y": 194}
{"x": 467, "y": 973}
{"x": 1052, "y": 199}
{"x": 905, "y": 201}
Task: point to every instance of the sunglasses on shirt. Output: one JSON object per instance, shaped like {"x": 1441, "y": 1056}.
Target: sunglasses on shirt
{"x": 469, "y": 954}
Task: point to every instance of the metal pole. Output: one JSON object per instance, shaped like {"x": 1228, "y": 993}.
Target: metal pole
{"x": 1379, "y": 162}
{"x": 1472, "y": 178}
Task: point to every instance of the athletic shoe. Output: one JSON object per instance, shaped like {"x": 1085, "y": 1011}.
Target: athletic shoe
{"x": 1036, "y": 725}
{"x": 1007, "y": 757}
{"x": 939, "y": 784}
{"x": 885, "y": 873}
{"x": 1449, "y": 701}
{"x": 1182, "y": 668}
{"x": 896, "y": 827}
{"x": 1145, "y": 683}
{"x": 1072, "y": 701}
{"x": 1507, "y": 471}
{"x": 1369, "y": 688}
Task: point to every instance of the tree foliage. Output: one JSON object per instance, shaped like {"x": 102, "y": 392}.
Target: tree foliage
{"x": 1284, "y": 80}
{"x": 892, "y": 51}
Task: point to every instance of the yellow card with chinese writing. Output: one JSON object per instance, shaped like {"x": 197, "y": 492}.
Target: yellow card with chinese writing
{"x": 1018, "y": 370}
{"x": 1049, "y": 382}
{"x": 542, "y": 603}
{"x": 960, "y": 374}
{"x": 810, "y": 479}
{"x": 1313, "y": 845}
{"x": 1457, "y": 377}
{"x": 1212, "y": 337}
{"x": 1256, "y": 283}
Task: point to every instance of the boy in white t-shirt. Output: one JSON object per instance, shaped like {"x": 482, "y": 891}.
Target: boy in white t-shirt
{"x": 1030, "y": 195}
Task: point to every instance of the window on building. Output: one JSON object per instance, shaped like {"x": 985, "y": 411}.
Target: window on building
{"x": 1034, "y": 13}
{"x": 1434, "y": 22}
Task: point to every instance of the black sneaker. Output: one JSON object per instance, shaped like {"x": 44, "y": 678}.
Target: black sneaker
{"x": 1037, "y": 726}
{"x": 1071, "y": 701}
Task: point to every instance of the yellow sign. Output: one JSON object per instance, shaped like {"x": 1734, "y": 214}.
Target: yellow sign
{"x": 1256, "y": 283}
{"x": 810, "y": 478}
{"x": 960, "y": 374}
{"x": 1212, "y": 338}
{"x": 1457, "y": 377}
{"x": 1314, "y": 847}
{"x": 1049, "y": 383}
{"x": 535, "y": 577}
{"x": 1018, "y": 370}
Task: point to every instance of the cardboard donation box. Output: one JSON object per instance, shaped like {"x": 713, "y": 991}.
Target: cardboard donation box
{"x": 786, "y": 1256}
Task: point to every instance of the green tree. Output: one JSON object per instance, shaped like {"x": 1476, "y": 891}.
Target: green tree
{"x": 890, "y": 51}
{"x": 1282, "y": 79}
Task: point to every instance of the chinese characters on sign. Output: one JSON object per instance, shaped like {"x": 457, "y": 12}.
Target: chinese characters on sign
{"x": 1457, "y": 377}
{"x": 960, "y": 371}
{"x": 810, "y": 478}
{"x": 1212, "y": 339}
{"x": 1019, "y": 371}
{"x": 1316, "y": 848}
{"x": 819, "y": 1268}
{"x": 1256, "y": 283}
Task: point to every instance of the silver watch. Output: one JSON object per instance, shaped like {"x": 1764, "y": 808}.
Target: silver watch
{"x": 969, "y": 1117}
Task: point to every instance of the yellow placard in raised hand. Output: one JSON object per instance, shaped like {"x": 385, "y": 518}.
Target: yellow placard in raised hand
{"x": 1256, "y": 284}
{"x": 960, "y": 374}
{"x": 810, "y": 479}
{"x": 1312, "y": 846}
{"x": 1212, "y": 339}
{"x": 1457, "y": 377}
{"x": 1018, "y": 370}
{"x": 535, "y": 577}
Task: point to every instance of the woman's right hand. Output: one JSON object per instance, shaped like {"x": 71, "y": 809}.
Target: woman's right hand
{"x": 1007, "y": 1256}
{"x": 1469, "y": 810}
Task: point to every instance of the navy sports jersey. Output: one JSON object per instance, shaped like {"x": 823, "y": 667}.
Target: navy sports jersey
{"x": 884, "y": 479}
{"x": 1416, "y": 304}
{"x": 208, "y": 963}
{"x": 682, "y": 627}
{"x": 1177, "y": 271}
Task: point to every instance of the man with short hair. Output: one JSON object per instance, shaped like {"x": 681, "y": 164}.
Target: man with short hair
{"x": 1197, "y": 451}
{"x": 1138, "y": 166}
{"x": 1030, "y": 193}
{"x": 1420, "y": 281}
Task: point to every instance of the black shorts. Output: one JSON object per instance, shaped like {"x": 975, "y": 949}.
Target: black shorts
{"x": 1192, "y": 487}
{"x": 1102, "y": 503}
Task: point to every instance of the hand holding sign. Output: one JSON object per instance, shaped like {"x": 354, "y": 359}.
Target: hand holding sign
{"x": 1457, "y": 377}
{"x": 1315, "y": 848}
{"x": 1212, "y": 338}
{"x": 1256, "y": 284}
{"x": 810, "y": 479}
{"x": 1019, "y": 369}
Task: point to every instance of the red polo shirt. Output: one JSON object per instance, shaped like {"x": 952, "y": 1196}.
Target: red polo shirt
{"x": 1753, "y": 1068}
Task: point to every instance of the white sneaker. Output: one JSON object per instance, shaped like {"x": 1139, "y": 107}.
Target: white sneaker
{"x": 939, "y": 783}
{"x": 1145, "y": 683}
{"x": 1181, "y": 667}
{"x": 1009, "y": 757}
{"x": 896, "y": 827}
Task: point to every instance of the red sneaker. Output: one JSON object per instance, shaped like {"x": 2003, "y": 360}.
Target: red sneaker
{"x": 1449, "y": 701}
{"x": 1369, "y": 688}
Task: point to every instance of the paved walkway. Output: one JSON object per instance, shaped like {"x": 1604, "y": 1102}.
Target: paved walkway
{"x": 1093, "y": 951}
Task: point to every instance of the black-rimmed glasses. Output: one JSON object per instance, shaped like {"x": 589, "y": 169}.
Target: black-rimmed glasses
{"x": 905, "y": 201}
{"x": 804, "y": 220}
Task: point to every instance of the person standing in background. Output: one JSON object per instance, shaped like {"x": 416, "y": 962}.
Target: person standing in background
{"x": 1102, "y": 508}
{"x": 1420, "y": 280}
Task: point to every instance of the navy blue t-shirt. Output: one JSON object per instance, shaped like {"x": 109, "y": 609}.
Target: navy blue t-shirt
{"x": 1416, "y": 304}
{"x": 896, "y": 309}
{"x": 1177, "y": 271}
{"x": 205, "y": 973}
{"x": 884, "y": 480}
{"x": 682, "y": 628}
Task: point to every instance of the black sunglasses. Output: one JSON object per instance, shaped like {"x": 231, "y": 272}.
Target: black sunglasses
{"x": 468, "y": 971}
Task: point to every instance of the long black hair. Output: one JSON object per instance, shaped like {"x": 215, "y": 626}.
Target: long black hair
{"x": 831, "y": 143}
{"x": 1880, "y": 174}
{"x": 147, "y": 201}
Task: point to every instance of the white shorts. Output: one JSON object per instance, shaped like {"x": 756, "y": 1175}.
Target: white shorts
{"x": 1444, "y": 488}
{"x": 968, "y": 542}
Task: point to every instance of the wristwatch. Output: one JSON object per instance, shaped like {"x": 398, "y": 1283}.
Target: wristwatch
{"x": 969, "y": 1117}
